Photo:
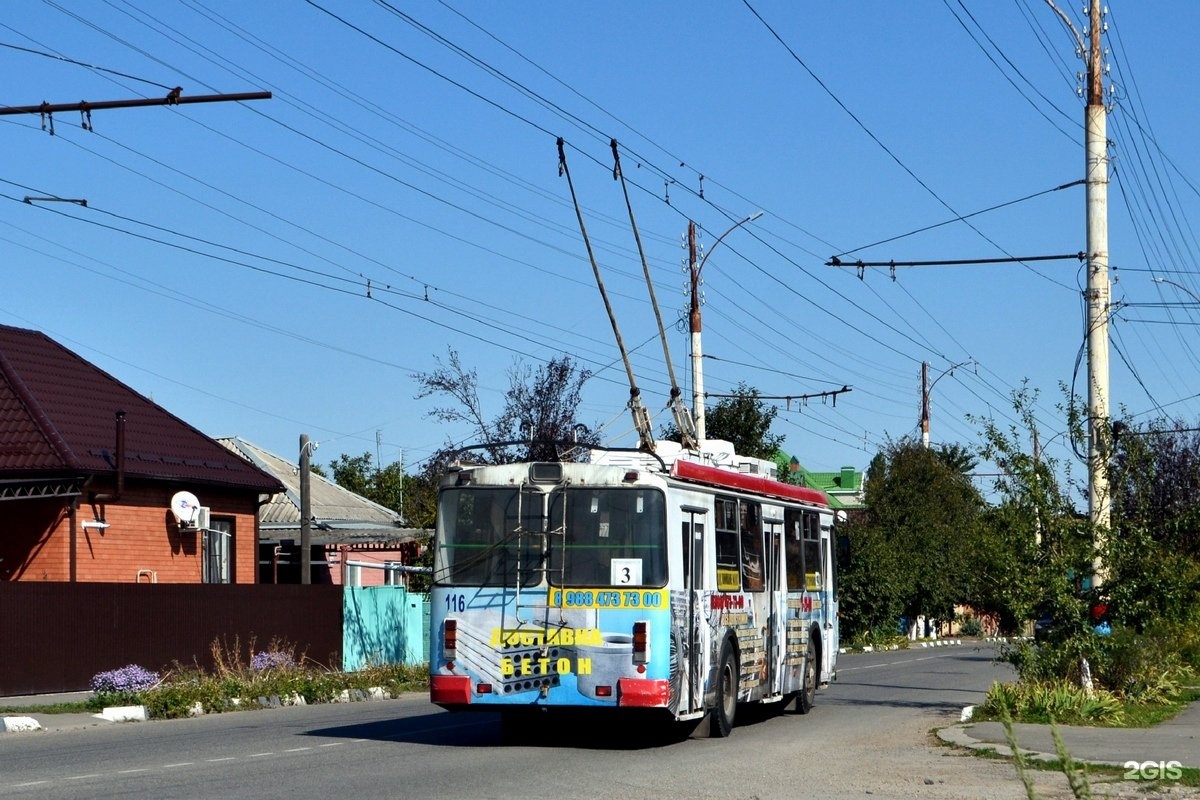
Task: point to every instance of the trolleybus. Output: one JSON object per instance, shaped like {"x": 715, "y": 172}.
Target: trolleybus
{"x": 684, "y": 584}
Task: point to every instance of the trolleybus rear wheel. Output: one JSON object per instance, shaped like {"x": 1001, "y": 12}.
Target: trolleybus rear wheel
{"x": 725, "y": 710}
{"x": 808, "y": 694}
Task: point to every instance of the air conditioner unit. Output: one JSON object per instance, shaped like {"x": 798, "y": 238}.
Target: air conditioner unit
{"x": 202, "y": 518}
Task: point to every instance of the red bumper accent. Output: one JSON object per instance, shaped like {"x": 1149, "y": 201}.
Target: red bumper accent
{"x": 450, "y": 689}
{"x": 642, "y": 693}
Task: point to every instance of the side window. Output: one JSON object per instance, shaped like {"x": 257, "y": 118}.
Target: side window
{"x": 729, "y": 556}
{"x": 812, "y": 551}
{"x": 793, "y": 549}
{"x": 753, "y": 568}
{"x": 686, "y": 541}
{"x": 693, "y": 549}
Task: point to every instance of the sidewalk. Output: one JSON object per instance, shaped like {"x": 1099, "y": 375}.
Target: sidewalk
{"x": 1177, "y": 739}
{"x": 17, "y": 721}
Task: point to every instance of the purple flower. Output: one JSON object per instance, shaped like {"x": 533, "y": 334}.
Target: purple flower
{"x": 128, "y": 679}
{"x": 275, "y": 659}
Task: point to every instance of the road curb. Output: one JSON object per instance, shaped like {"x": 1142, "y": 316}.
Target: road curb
{"x": 957, "y": 736}
{"x": 60, "y": 722}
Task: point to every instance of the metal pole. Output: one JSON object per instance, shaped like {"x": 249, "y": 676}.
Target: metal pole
{"x": 1096, "y": 174}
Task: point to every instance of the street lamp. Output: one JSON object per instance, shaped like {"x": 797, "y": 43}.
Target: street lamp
{"x": 926, "y": 389}
{"x": 1179, "y": 286}
{"x": 694, "y": 319}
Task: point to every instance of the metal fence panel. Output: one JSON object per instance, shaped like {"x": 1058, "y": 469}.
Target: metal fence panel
{"x": 56, "y": 636}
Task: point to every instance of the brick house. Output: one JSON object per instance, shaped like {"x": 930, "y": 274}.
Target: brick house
{"x": 88, "y": 470}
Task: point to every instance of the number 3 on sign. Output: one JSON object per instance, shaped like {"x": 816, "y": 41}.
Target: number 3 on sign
{"x": 626, "y": 572}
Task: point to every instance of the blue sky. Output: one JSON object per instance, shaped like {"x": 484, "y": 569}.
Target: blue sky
{"x": 221, "y": 266}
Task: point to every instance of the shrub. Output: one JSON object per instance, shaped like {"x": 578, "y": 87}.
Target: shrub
{"x": 1051, "y": 702}
{"x": 239, "y": 677}
{"x": 971, "y": 626}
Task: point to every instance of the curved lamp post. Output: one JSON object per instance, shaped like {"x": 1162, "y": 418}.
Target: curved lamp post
{"x": 927, "y": 389}
{"x": 1179, "y": 286}
{"x": 694, "y": 320}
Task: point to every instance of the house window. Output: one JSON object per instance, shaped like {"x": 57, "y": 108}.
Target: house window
{"x": 392, "y": 576}
{"x": 217, "y": 551}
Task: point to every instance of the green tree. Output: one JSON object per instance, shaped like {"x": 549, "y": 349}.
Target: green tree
{"x": 958, "y": 458}
{"x": 1051, "y": 556}
{"x": 384, "y": 486}
{"x": 420, "y": 501}
{"x": 871, "y": 577}
{"x": 412, "y": 497}
{"x": 1153, "y": 555}
{"x": 930, "y": 513}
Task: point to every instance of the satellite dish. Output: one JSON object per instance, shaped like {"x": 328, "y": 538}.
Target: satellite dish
{"x": 185, "y": 507}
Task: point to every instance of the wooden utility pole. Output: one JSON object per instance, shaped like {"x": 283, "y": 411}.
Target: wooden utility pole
{"x": 305, "y": 510}
{"x": 1098, "y": 294}
{"x": 925, "y": 404}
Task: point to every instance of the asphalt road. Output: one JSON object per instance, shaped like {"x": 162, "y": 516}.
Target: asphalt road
{"x": 867, "y": 735}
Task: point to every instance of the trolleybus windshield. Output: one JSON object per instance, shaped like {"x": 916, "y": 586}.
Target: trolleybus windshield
{"x": 610, "y": 537}
{"x": 595, "y": 537}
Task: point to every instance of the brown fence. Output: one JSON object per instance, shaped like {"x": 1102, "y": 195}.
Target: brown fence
{"x": 55, "y": 636}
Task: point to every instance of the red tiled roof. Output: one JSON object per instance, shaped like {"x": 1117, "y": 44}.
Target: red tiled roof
{"x": 58, "y": 415}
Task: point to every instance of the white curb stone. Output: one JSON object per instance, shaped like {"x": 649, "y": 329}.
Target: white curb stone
{"x": 124, "y": 714}
{"x": 19, "y": 724}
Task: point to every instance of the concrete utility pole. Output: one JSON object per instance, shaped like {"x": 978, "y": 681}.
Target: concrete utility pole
{"x": 694, "y": 319}
{"x": 305, "y": 510}
{"x": 1098, "y": 293}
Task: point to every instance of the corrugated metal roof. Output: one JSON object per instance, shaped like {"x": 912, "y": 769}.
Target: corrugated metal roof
{"x": 58, "y": 415}
{"x": 332, "y": 506}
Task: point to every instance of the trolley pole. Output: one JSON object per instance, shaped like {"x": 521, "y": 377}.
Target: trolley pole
{"x": 694, "y": 328}
{"x": 1097, "y": 296}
